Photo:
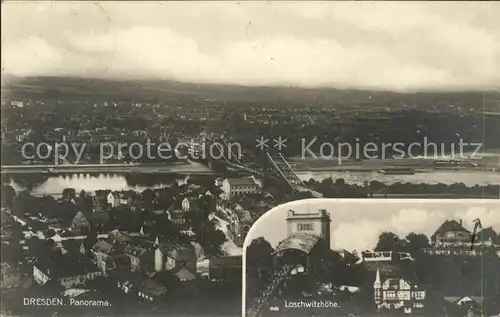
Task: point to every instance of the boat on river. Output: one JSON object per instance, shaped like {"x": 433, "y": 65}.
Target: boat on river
{"x": 397, "y": 171}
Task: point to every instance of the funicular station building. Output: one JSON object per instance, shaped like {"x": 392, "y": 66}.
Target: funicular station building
{"x": 308, "y": 238}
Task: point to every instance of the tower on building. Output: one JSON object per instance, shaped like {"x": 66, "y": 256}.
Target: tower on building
{"x": 377, "y": 289}
{"x": 317, "y": 224}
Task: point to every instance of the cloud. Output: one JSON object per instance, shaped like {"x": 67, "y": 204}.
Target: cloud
{"x": 357, "y": 224}
{"x": 379, "y": 45}
{"x": 357, "y": 236}
{"x": 363, "y": 234}
{"x": 31, "y": 56}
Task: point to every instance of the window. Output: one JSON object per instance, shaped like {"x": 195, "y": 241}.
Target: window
{"x": 404, "y": 295}
{"x": 305, "y": 227}
{"x": 419, "y": 295}
{"x": 390, "y": 295}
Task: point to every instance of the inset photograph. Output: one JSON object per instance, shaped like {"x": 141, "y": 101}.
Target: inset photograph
{"x": 329, "y": 257}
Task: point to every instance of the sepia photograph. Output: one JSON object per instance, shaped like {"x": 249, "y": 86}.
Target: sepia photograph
{"x": 141, "y": 142}
{"x": 329, "y": 257}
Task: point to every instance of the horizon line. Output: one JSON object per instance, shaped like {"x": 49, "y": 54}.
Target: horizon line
{"x": 457, "y": 89}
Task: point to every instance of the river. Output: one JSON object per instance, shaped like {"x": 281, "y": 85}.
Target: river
{"x": 54, "y": 185}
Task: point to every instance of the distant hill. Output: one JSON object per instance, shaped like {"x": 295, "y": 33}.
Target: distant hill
{"x": 164, "y": 90}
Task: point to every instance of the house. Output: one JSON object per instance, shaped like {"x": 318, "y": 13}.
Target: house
{"x": 110, "y": 198}
{"x": 66, "y": 271}
{"x": 233, "y": 187}
{"x": 246, "y": 221}
{"x": 122, "y": 199}
{"x": 452, "y": 239}
{"x": 117, "y": 199}
{"x": 451, "y": 234}
{"x": 100, "y": 202}
{"x": 80, "y": 224}
{"x": 225, "y": 268}
{"x": 98, "y": 220}
{"x": 102, "y": 253}
{"x": 151, "y": 290}
{"x": 350, "y": 258}
{"x": 158, "y": 212}
{"x": 183, "y": 274}
{"x": 142, "y": 286}
{"x": 397, "y": 293}
{"x": 179, "y": 218}
{"x": 170, "y": 257}
{"x": 488, "y": 236}
{"x": 219, "y": 181}
{"x": 189, "y": 204}
{"x": 463, "y": 305}
{"x": 117, "y": 237}
{"x": 126, "y": 281}
{"x": 9, "y": 276}
{"x": 140, "y": 258}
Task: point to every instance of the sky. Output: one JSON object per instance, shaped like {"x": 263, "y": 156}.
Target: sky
{"x": 356, "y": 224}
{"x": 378, "y": 45}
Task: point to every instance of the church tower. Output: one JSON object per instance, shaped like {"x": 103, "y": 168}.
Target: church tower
{"x": 377, "y": 289}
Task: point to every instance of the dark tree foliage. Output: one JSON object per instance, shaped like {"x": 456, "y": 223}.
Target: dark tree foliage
{"x": 259, "y": 256}
{"x": 389, "y": 241}
{"x": 8, "y": 194}
{"x": 69, "y": 193}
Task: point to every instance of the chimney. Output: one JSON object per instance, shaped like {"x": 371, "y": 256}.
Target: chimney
{"x": 460, "y": 221}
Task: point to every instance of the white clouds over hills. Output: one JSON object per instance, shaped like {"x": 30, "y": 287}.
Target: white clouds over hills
{"x": 367, "y": 45}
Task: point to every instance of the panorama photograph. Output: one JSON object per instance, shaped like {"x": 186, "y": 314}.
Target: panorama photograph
{"x": 329, "y": 257}
{"x": 140, "y": 141}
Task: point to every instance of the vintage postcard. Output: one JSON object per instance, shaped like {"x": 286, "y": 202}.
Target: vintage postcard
{"x": 141, "y": 141}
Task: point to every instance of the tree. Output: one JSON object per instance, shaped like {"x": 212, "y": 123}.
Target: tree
{"x": 86, "y": 204}
{"x": 89, "y": 241}
{"x": 24, "y": 203}
{"x": 300, "y": 195}
{"x": 125, "y": 219}
{"x": 82, "y": 194}
{"x": 148, "y": 198}
{"x": 259, "y": 264}
{"x": 207, "y": 204}
{"x": 327, "y": 182}
{"x": 376, "y": 186}
{"x": 163, "y": 227}
{"x": 69, "y": 193}
{"x": 259, "y": 253}
{"x": 47, "y": 206}
{"x": 339, "y": 182}
{"x": 211, "y": 239}
{"x": 165, "y": 199}
{"x": 8, "y": 194}
{"x": 12, "y": 253}
{"x": 388, "y": 241}
{"x": 416, "y": 242}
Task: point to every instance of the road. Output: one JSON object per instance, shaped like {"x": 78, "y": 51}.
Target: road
{"x": 190, "y": 167}
{"x": 418, "y": 164}
{"x": 234, "y": 230}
